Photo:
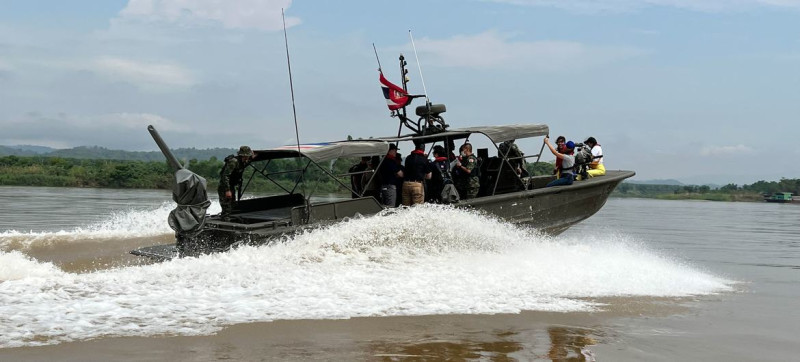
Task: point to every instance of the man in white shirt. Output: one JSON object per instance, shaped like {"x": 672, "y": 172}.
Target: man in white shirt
{"x": 596, "y": 168}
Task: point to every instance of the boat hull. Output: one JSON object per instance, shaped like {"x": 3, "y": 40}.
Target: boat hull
{"x": 552, "y": 210}
{"x": 548, "y": 209}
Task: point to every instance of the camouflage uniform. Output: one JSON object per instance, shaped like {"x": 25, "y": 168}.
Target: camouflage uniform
{"x": 229, "y": 178}
{"x": 509, "y": 149}
{"x": 468, "y": 185}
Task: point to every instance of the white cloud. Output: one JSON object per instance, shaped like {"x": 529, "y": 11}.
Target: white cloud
{"x": 592, "y": 6}
{"x": 145, "y": 75}
{"x": 490, "y": 49}
{"x": 238, "y": 14}
{"x": 737, "y": 150}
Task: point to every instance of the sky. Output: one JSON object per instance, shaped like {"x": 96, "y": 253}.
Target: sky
{"x": 702, "y": 91}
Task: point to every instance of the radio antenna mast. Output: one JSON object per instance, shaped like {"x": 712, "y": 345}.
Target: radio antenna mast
{"x": 427, "y": 100}
{"x": 291, "y": 85}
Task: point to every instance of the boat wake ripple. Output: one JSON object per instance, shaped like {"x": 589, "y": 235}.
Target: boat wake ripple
{"x": 419, "y": 261}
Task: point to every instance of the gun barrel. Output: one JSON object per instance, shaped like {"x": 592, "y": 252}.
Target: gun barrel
{"x": 164, "y": 149}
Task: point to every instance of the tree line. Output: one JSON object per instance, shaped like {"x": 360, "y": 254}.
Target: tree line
{"x": 729, "y": 192}
{"x": 76, "y": 172}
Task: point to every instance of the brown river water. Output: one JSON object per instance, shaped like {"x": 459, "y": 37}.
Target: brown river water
{"x": 641, "y": 280}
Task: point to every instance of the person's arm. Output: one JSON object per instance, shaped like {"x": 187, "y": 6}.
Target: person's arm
{"x": 553, "y": 150}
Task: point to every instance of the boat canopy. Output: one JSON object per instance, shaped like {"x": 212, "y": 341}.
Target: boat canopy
{"x": 496, "y": 134}
{"x": 319, "y": 152}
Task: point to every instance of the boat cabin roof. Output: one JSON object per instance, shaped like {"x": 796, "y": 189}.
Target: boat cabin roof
{"x": 496, "y": 134}
{"x": 319, "y": 152}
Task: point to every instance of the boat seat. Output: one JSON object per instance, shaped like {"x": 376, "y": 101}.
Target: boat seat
{"x": 266, "y": 215}
{"x": 270, "y": 208}
{"x": 434, "y": 110}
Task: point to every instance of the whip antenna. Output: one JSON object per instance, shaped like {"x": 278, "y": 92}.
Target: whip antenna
{"x": 376, "y": 57}
{"x": 427, "y": 100}
{"x": 291, "y": 85}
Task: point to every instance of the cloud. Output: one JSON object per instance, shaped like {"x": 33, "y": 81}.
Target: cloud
{"x": 62, "y": 130}
{"x": 595, "y": 6}
{"x": 736, "y": 150}
{"x": 493, "y": 50}
{"x": 238, "y": 14}
{"x": 145, "y": 75}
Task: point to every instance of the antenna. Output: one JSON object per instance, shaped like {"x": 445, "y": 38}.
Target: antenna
{"x": 376, "y": 57}
{"x": 294, "y": 112}
{"x": 427, "y": 100}
{"x": 291, "y": 85}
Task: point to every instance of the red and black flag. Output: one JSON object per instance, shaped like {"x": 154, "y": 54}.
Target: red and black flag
{"x": 396, "y": 97}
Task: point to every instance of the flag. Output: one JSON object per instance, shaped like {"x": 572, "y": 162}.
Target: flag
{"x": 396, "y": 97}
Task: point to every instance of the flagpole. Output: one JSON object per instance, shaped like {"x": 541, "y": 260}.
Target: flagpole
{"x": 427, "y": 100}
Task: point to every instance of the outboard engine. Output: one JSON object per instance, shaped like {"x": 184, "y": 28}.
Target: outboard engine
{"x": 189, "y": 192}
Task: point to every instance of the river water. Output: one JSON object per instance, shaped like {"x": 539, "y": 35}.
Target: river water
{"x": 641, "y": 280}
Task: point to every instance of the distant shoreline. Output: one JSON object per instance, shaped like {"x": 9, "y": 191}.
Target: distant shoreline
{"x": 129, "y": 174}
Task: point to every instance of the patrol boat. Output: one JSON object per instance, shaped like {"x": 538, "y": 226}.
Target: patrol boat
{"x": 259, "y": 220}
{"x": 518, "y": 198}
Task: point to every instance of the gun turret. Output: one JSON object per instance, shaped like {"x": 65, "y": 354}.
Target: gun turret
{"x": 173, "y": 162}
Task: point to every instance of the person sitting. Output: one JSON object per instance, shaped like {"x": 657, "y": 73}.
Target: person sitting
{"x": 567, "y": 162}
{"x": 416, "y": 171}
{"x": 465, "y": 173}
{"x": 560, "y": 141}
{"x": 356, "y": 177}
{"x": 389, "y": 173}
{"x": 596, "y": 168}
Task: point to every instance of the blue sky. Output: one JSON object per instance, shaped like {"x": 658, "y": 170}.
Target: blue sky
{"x": 700, "y": 91}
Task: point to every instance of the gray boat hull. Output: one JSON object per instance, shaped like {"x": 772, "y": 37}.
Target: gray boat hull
{"x": 550, "y": 210}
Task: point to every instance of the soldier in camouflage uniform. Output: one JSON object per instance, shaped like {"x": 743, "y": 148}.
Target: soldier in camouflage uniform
{"x": 230, "y": 177}
{"x": 509, "y": 149}
{"x": 465, "y": 173}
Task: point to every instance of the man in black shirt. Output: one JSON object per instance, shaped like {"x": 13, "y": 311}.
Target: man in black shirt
{"x": 417, "y": 170}
{"x": 389, "y": 172}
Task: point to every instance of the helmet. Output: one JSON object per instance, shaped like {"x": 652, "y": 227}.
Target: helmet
{"x": 245, "y": 151}
{"x": 570, "y": 145}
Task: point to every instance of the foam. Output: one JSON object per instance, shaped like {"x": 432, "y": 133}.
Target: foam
{"x": 119, "y": 225}
{"x": 385, "y": 265}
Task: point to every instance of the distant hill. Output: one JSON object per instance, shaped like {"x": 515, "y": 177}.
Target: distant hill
{"x": 102, "y": 153}
{"x": 31, "y": 148}
{"x": 671, "y": 182}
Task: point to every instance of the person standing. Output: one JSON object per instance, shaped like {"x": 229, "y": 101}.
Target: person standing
{"x": 567, "y": 163}
{"x": 596, "y": 168}
{"x": 440, "y": 175}
{"x": 357, "y": 173}
{"x": 510, "y": 150}
{"x": 230, "y": 177}
{"x": 465, "y": 173}
{"x": 417, "y": 170}
{"x": 390, "y": 172}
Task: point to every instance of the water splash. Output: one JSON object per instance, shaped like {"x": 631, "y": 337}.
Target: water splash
{"x": 419, "y": 261}
{"x": 119, "y": 225}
